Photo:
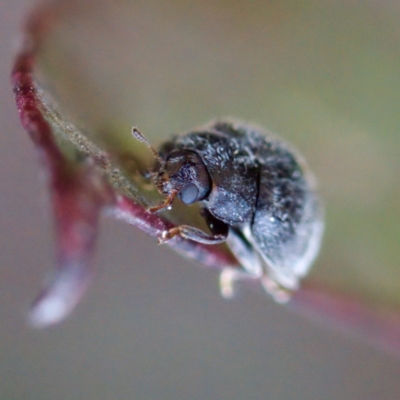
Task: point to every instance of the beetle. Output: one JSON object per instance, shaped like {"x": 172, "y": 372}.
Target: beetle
{"x": 256, "y": 193}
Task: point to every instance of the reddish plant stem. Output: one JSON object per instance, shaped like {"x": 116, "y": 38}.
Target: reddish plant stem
{"x": 79, "y": 193}
{"x": 211, "y": 256}
{"x": 376, "y": 325}
{"x": 77, "y": 197}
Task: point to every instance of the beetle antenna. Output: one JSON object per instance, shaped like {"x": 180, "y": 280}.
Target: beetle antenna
{"x": 138, "y": 136}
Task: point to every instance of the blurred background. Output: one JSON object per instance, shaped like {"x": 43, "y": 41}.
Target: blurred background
{"x": 322, "y": 74}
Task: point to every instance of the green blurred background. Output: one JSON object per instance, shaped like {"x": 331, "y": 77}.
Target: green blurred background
{"x": 324, "y": 75}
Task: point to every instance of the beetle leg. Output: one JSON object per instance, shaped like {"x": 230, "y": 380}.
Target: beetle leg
{"x": 245, "y": 253}
{"x": 192, "y": 233}
{"x": 248, "y": 259}
{"x": 252, "y": 262}
{"x": 230, "y": 276}
{"x": 278, "y": 292}
{"x": 164, "y": 204}
{"x": 219, "y": 231}
{"x": 228, "y": 279}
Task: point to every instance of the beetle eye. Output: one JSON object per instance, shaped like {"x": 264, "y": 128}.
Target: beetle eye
{"x": 189, "y": 193}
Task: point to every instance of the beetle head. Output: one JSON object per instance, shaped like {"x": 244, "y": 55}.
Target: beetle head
{"x": 184, "y": 174}
{"x": 181, "y": 173}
